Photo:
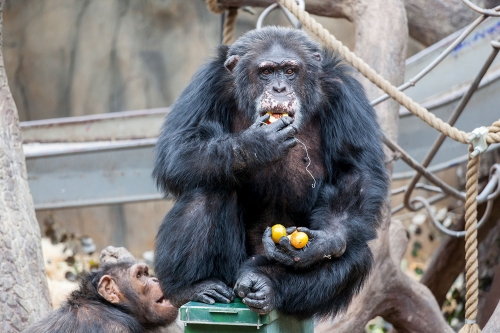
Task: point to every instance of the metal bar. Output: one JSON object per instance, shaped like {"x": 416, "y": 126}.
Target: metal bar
{"x": 431, "y": 200}
{"x": 421, "y": 186}
{"x": 435, "y": 62}
{"x": 454, "y": 94}
{"x": 441, "y": 166}
{"x": 453, "y": 118}
{"x": 489, "y": 12}
{"x": 420, "y": 169}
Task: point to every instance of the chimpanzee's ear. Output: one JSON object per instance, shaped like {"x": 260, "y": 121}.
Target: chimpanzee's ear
{"x": 316, "y": 56}
{"x": 231, "y": 62}
{"x": 108, "y": 289}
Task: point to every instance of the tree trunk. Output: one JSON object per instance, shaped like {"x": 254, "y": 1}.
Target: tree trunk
{"x": 430, "y": 21}
{"x": 24, "y": 296}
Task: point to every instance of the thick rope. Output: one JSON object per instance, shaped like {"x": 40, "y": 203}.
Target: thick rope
{"x": 494, "y": 133}
{"x": 214, "y": 7}
{"x": 471, "y": 265}
{"x": 229, "y": 22}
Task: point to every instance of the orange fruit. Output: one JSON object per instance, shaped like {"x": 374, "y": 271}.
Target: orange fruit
{"x": 277, "y": 231}
{"x": 298, "y": 239}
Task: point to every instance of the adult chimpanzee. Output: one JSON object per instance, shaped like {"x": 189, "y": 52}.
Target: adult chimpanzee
{"x": 120, "y": 297}
{"x": 234, "y": 176}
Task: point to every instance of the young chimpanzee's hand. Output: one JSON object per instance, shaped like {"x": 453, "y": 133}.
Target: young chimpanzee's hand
{"x": 262, "y": 144}
{"x": 256, "y": 292}
{"x": 320, "y": 246}
{"x": 207, "y": 291}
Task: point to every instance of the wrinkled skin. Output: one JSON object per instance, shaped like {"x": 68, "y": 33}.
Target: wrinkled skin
{"x": 207, "y": 291}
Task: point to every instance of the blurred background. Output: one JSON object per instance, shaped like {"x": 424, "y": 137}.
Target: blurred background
{"x": 69, "y": 58}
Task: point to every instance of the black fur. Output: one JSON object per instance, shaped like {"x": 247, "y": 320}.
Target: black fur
{"x": 86, "y": 311}
{"x": 215, "y": 228}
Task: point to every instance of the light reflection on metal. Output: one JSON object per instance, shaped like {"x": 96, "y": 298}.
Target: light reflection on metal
{"x": 293, "y": 20}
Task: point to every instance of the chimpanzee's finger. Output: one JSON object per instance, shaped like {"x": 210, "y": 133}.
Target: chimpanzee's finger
{"x": 280, "y": 124}
{"x": 283, "y": 258}
{"x": 267, "y": 241}
{"x": 308, "y": 232}
{"x": 288, "y": 132}
{"x": 243, "y": 286}
{"x": 275, "y": 253}
{"x": 257, "y": 295}
{"x": 262, "y": 120}
{"x": 224, "y": 291}
{"x": 267, "y": 233}
{"x": 217, "y": 296}
{"x": 290, "y": 143}
{"x": 286, "y": 245}
{"x": 290, "y": 230}
{"x": 203, "y": 298}
{"x": 255, "y": 303}
{"x": 260, "y": 306}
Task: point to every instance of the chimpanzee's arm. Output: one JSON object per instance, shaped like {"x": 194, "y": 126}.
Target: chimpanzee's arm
{"x": 323, "y": 277}
{"x": 196, "y": 147}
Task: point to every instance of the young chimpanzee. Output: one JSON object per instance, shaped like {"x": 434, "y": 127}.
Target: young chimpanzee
{"x": 119, "y": 298}
{"x": 274, "y": 130}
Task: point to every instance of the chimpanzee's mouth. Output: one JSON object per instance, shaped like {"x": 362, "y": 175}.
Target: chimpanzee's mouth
{"x": 163, "y": 301}
{"x": 273, "y": 115}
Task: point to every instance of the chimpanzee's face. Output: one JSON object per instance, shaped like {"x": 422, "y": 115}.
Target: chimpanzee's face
{"x": 275, "y": 79}
{"x": 277, "y": 72}
{"x": 154, "y": 307}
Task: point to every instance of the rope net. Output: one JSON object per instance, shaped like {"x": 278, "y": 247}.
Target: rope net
{"x": 493, "y": 136}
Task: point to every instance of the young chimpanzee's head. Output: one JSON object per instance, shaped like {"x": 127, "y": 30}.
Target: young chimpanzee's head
{"x": 276, "y": 71}
{"x": 129, "y": 287}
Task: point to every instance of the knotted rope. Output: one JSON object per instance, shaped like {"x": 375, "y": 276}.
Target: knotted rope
{"x": 229, "y": 22}
{"x": 471, "y": 265}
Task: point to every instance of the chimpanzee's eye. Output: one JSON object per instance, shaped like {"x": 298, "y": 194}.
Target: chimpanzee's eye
{"x": 289, "y": 71}
{"x": 266, "y": 72}
{"x": 139, "y": 274}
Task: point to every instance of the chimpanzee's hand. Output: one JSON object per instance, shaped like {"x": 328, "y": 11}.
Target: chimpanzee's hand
{"x": 321, "y": 246}
{"x": 256, "y": 292}
{"x": 208, "y": 291}
{"x": 261, "y": 144}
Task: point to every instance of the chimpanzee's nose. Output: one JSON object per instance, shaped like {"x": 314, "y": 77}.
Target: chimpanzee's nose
{"x": 279, "y": 88}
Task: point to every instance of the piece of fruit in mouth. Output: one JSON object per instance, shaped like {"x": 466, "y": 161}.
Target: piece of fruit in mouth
{"x": 275, "y": 116}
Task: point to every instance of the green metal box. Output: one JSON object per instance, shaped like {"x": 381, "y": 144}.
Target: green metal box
{"x": 237, "y": 317}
